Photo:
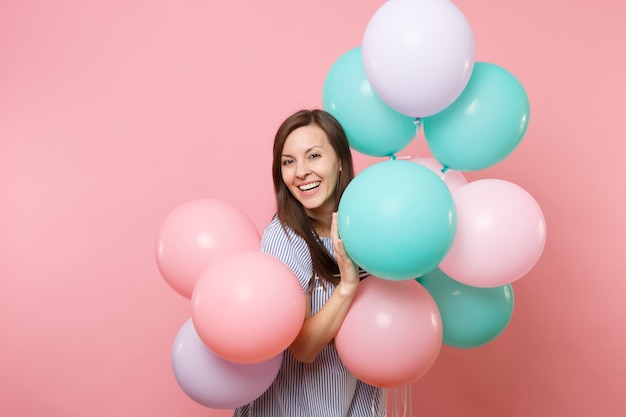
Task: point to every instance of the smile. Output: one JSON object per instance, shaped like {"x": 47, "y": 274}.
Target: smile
{"x": 309, "y": 186}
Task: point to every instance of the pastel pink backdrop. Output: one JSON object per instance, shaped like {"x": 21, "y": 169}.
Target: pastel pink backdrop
{"x": 113, "y": 113}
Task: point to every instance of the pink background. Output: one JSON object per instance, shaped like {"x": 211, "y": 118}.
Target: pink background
{"x": 112, "y": 113}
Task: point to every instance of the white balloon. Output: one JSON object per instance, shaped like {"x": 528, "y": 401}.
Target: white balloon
{"x": 418, "y": 55}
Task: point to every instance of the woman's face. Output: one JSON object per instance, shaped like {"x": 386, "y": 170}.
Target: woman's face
{"x": 310, "y": 169}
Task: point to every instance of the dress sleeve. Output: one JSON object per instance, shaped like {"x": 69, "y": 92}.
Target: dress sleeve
{"x": 290, "y": 249}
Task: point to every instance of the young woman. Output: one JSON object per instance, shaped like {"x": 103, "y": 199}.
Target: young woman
{"x": 311, "y": 168}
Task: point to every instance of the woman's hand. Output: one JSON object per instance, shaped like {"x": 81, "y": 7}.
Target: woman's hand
{"x": 349, "y": 280}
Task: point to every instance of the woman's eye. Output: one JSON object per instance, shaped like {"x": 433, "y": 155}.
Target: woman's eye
{"x": 314, "y": 155}
{"x": 287, "y": 162}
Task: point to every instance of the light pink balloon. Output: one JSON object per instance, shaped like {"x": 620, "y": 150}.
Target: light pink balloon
{"x": 501, "y": 233}
{"x": 392, "y": 333}
{"x": 248, "y": 307}
{"x": 196, "y": 233}
{"x": 418, "y": 55}
{"x": 453, "y": 179}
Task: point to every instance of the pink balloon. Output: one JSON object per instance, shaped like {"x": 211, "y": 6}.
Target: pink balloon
{"x": 418, "y": 55}
{"x": 248, "y": 307}
{"x": 392, "y": 333}
{"x": 196, "y": 233}
{"x": 453, "y": 179}
{"x": 501, "y": 233}
{"x": 214, "y": 382}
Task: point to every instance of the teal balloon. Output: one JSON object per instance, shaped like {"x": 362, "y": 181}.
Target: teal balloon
{"x": 484, "y": 125}
{"x": 470, "y": 316}
{"x": 397, "y": 219}
{"x": 373, "y": 128}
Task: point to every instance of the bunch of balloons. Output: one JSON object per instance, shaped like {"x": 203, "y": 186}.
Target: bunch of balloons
{"x": 247, "y": 306}
{"x": 443, "y": 251}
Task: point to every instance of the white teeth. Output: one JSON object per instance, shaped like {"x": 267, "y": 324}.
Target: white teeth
{"x": 309, "y": 186}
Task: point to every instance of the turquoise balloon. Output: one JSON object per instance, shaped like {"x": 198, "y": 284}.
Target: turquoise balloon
{"x": 483, "y": 125}
{"x": 470, "y": 316}
{"x": 373, "y": 128}
{"x": 397, "y": 220}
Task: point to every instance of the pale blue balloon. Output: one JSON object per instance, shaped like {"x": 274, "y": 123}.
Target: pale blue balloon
{"x": 484, "y": 125}
{"x": 470, "y": 316}
{"x": 373, "y": 128}
{"x": 397, "y": 220}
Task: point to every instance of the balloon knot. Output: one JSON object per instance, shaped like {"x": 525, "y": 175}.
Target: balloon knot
{"x": 392, "y": 157}
{"x": 444, "y": 170}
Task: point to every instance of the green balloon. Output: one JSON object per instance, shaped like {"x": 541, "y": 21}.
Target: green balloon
{"x": 470, "y": 316}
{"x": 397, "y": 220}
{"x": 373, "y": 128}
{"x": 483, "y": 125}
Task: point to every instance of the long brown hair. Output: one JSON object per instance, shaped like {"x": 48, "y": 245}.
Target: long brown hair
{"x": 289, "y": 210}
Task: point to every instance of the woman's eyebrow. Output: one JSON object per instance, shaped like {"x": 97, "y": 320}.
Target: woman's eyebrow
{"x": 285, "y": 155}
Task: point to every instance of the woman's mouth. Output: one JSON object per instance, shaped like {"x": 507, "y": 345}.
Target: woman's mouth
{"x": 310, "y": 186}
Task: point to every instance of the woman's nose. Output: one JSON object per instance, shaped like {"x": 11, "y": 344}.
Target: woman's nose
{"x": 302, "y": 170}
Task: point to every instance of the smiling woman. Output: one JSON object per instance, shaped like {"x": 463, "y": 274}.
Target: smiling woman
{"x": 312, "y": 166}
{"x": 310, "y": 222}
{"x": 310, "y": 169}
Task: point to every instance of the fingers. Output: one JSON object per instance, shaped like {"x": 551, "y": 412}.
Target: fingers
{"x": 334, "y": 234}
{"x": 340, "y": 252}
{"x": 346, "y": 266}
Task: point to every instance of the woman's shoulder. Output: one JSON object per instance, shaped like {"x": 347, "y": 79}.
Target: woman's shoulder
{"x": 282, "y": 243}
{"x": 278, "y": 234}
{"x": 276, "y": 230}
{"x": 274, "y": 225}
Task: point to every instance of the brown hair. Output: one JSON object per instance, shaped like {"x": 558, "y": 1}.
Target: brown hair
{"x": 289, "y": 210}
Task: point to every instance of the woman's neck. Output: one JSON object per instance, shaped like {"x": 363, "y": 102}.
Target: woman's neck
{"x": 323, "y": 231}
{"x": 321, "y": 224}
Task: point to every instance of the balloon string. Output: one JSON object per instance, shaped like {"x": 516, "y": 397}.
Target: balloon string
{"x": 443, "y": 171}
{"x": 404, "y": 400}
{"x": 418, "y": 125}
{"x": 402, "y": 397}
